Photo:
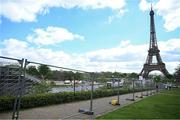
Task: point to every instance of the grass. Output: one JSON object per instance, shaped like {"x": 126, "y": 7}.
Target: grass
{"x": 159, "y": 106}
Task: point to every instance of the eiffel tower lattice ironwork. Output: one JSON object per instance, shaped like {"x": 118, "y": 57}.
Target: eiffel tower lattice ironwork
{"x": 153, "y": 52}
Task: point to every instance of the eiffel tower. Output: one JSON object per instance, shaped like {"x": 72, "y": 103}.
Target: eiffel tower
{"x": 153, "y": 51}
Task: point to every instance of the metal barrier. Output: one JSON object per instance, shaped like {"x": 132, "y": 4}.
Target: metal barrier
{"x": 18, "y": 73}
{"x": 7, "y": 73}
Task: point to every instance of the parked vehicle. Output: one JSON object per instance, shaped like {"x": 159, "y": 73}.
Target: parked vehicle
{"x": 67, "y": 82}
{"x": 114, "y": 83}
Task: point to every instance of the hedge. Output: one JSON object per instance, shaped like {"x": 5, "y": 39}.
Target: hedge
{"x": 30, "y": 101}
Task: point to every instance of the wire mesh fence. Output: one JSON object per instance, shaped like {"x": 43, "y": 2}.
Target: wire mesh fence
{"x": 21, "y": 77}
{"x": 10, "y": 73}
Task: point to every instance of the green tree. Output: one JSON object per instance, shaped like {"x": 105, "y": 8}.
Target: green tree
{"x": 40, "y": 88}
{"x": 56, "y": 75}
{"x": 31, "y": 70}
{"x": 78, "y": 76}
{"x": 123, "y": 75}
{"x": 116, "y": 74}
{"x": 107, "y": 74}
{"x": 133, "y": 75}
{"x": 102, "y": 78}
{"x": 169, "y": 78}
{"x": 177, "y": 73}
{"x": 157, "y": 79}
{"x": 44, "y": 71}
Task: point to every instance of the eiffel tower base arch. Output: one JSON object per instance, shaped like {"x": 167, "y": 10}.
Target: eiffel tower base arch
{"x": 152, "y": 67}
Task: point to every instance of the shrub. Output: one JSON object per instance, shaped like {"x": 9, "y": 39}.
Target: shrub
{"x": 6, "y": 102}
{"x": 44, "y": 87}
{"x": 29, "y": 101}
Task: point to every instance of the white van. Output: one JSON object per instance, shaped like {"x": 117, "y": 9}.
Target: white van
{"x": 67, "y": 82}
{"x": 114, "y": 83}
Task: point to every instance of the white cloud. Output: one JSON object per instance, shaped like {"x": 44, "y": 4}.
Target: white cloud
{"x": 144, "y": 5}
{"x": 125, "y": 57}
{"x": 168, "y": 9}
{"x": 27, "y": 10}
{"x": 120, "y": 53}
{"x": 21, "y": 10}
{"x": 117, "y": 15}
{"x": 170, "y": 45}
{"x": 52, "y": 35}
{"x": 21, "y": 49}
{"x": 15, "y": 45}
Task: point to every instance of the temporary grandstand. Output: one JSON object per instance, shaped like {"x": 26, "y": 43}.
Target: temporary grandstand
{"x": 11, "y": 80}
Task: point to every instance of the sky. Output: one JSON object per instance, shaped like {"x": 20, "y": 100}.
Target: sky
{"x": 90, "y": 35}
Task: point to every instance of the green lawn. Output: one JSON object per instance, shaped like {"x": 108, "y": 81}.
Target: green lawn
{"x": 159, "y": 106}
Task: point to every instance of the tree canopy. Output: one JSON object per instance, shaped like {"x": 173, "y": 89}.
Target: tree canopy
{"x": 43, "y": 71}
{"x": 177, "y": 73}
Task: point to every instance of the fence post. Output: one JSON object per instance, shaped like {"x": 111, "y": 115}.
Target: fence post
{"x": 118, "y": 91}
{"x": 92, "y": 87}
{"x": 21, "y": 86}
{"x": 133, "y": 89}
{"x": 15, "y": 114}
{"x": 74, "y": 85}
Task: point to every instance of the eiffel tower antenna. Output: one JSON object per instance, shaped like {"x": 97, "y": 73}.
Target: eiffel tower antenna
{"x": 151, "y": 6}
{"x": 153, "y": 51}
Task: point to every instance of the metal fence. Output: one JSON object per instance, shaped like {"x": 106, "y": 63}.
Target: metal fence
{"x": 14, "y": 80}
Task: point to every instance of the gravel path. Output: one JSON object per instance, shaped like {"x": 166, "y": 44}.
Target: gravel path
{"x": 70, "y": 110}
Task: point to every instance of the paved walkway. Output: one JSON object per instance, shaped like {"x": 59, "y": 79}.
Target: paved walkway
{"x": 70, "y": 110}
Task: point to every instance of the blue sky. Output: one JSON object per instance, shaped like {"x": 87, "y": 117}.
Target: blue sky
{"x": 97, "y": 35}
